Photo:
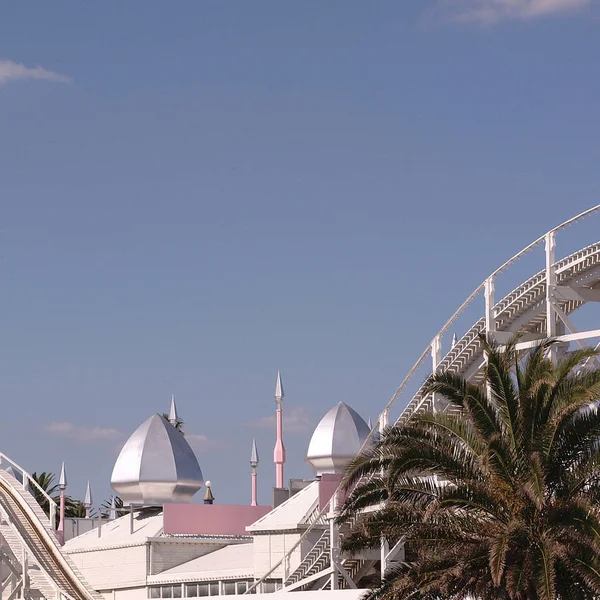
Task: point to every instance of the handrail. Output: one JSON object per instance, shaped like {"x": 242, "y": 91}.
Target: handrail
{"x": 27, "y": 478}
{"x": 419, "y": 362}
{"x": 49, "y": 543}
{"x": 322, "y": 512}
{"x": 41, "y": 567}
{"x": 476, "y": 292}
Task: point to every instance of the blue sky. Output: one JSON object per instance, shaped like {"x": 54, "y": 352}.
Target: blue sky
{"x": 196, "y": 194}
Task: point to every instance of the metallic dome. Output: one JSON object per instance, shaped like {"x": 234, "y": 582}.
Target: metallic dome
{"x": 156, "y": 465}
{"x": 336, "y": 440}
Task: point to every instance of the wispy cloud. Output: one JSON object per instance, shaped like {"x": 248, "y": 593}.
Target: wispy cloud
{"x": 201, "y": 443}
{"x": 12, "y": 71}
{"x": 295, "y": 420}
{"x": 492, "y": 11}
{"x": 87, "y": 435}
{"x": 80, "y": 434}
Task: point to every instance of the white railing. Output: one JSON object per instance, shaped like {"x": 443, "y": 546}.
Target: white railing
{"x": 286, "y": 556}
{"x": 470, "y": 299}
{"x": 47, "y": 539}
{"x": 383, "y": 416}
{"x": 27, "y": 482}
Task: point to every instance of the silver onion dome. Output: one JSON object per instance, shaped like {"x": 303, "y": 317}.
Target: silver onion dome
{"x": 156, "y": 465}
{"x": 336, "y": 440}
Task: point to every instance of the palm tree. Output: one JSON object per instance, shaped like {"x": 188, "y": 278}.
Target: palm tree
{"x": 73, "y": 508}
{"x": 46, "y": 481}
{"x": 76, "y": 509}
{"x": 496, "y": 497}
{"x": 107, "y": 507}
{"x": 178, "y": 423}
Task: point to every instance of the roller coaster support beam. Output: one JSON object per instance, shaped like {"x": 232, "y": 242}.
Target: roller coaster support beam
{"x": 385, "y": 547}
{"x": 550, "y": 248}
{"x": 436, "y": 359}
{"x": 489, "y": 293}
{"x": 576, "y": 293}
{"x": 24, "y": 574}
{"x": 395, "y": 551}
{"x": 334, "y": 543}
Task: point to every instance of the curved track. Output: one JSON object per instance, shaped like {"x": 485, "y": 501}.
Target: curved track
{"x": 523, "y": 310}
{"x": 538, "y": 308}
{"x": 32, "y": 529}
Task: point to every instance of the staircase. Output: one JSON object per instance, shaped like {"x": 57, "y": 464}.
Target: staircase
{"x": 39, "y": 584}
{"x": 318, "y": 559}
{"x": 51, "y": 573}
{"x": 315, "y": 561}
{"x": 356, "y": 568}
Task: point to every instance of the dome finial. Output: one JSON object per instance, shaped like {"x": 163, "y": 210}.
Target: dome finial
{"x": 208, "y": 496}
{"x": 173, "y": 418}
{"x": 279, "y": 395}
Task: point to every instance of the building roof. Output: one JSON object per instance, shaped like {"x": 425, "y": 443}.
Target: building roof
{"x": 156, "y": 465}
{"x": 294, "y": 513}
{"x": 337, "y": 439}
{"x": 230, "y": 562}
{"x": 117, "y": 533}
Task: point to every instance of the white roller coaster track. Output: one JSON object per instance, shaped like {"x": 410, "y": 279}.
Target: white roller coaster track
{"x": 538, "y": 308}
{"x": 31, "y": 538}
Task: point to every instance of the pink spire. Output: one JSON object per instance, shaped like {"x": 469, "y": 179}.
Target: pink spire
{"x": 279, "y": 453}
{"x": 62, "y": 486}
{"x": 254, "y": 465}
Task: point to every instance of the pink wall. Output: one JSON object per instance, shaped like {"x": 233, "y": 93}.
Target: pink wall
{"x": 210, "y": 519}
{"x": 327, "y": 485}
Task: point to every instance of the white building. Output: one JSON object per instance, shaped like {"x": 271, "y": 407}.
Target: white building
{"x": 166, "y": 547}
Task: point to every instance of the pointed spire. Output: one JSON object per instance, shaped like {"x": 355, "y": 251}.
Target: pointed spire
{"x": 208, "y": 496}
{"x": 370, "y": 424}
{"x": 377, "y": 433}
{"x": 87, "y": 502}
{"x": 88, "y": 495}
{"x": 254, "y": 475}
{"x": 279, "y": 395}
{"x": 112, "y": 514}
{"x": 254, "y": 455}
{"x": 62, "y": 482}
{"x": 173, "y": 412}
{"x": 279, "y": 452}
{"x": 454, "y": 340}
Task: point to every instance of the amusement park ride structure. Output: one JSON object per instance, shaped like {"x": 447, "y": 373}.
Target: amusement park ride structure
{"x": 34, "y": 563}
{"x": 537, "y": 309}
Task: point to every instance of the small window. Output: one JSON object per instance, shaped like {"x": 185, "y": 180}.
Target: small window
{"x": 269, "y": 587}
{"x": 203, "y": 589}
{"x": 154, "y": 592}
{"x": 229, "y": 588}
{"x": 214, "y": 588}
{"x": 176, "y": 591}
{"x": 191, "y": 590}
{"x": 167, "y": 591}
{"x": 241, "y": 587}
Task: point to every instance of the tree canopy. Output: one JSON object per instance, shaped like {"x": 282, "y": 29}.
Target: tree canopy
{"x": 497, "y": 496}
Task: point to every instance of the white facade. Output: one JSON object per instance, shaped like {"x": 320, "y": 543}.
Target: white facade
{"x": 129, "y": 557}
